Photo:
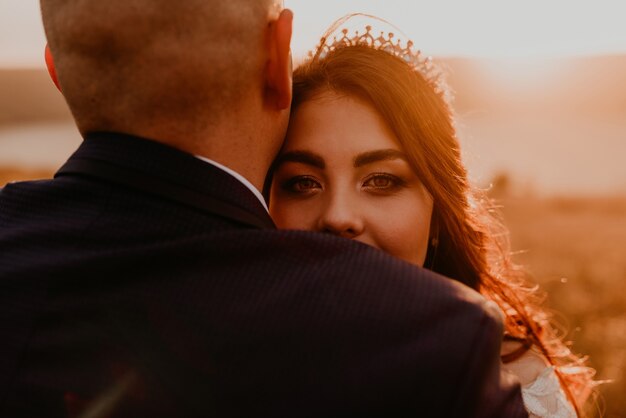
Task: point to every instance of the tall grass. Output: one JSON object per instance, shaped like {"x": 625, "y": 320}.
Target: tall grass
{"x": 575, "y": 248}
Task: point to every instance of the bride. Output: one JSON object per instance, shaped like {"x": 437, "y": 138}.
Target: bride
{"x": 371, "y": 154}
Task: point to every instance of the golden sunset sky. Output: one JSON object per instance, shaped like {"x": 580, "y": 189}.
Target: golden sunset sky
{"x": 477, "y": 28}
{"x": 540, "y": 84}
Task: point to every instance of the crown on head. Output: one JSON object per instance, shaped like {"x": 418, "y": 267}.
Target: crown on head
{"x": 386, "y": 43}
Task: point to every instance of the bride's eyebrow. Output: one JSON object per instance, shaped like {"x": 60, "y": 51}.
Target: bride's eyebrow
{"x": 378, "y": 155}
{"x": 303, "y": 157}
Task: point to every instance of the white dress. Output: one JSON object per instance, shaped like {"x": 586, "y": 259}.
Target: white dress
{"x": 541, "y": 389}
{"x": 544, "y": 397}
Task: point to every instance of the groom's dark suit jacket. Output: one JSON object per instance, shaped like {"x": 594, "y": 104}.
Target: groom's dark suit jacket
{"x": 143, "y": 282}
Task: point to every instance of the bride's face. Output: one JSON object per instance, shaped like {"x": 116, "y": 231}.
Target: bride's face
{"x": 343, "y": 171}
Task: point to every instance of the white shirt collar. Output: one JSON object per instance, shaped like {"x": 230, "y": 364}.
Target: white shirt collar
{"x": 238, "y": 176}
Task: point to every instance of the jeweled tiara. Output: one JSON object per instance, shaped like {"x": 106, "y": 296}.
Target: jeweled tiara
{"x": 388, "y": 43}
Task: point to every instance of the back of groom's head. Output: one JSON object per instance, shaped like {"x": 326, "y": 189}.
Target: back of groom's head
{"x": 160, "y": 68}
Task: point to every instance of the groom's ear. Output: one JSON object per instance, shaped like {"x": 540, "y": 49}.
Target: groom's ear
{"x": 51, "y": 68}
{"x": 279, "y": 65}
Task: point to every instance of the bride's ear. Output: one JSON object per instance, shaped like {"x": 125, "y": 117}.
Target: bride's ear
{"x": 279, "y": 65}
{"x": 51, "y": 68}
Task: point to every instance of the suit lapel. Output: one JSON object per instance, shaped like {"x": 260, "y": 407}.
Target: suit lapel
{"x": 166, "y": 172}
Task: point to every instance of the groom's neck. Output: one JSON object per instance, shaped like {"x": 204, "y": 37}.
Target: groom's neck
{"x": 245, "y": 144}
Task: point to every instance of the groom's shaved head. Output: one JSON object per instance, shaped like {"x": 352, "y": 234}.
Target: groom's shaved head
{"x": 119, "y": 61}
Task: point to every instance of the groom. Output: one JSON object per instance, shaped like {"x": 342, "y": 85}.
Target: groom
{"x": 147, "y": 279}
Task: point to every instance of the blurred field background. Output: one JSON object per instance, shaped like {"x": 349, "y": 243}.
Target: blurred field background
{"x": 545, "y": 134}
{"x": 574, "y": 248}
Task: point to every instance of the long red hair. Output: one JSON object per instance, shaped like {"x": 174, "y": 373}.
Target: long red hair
{"x": 471, "y": 245}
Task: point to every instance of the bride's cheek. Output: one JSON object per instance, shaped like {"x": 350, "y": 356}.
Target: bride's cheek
{"x": 295, "y": 215}
{"x": 281, "y": 213}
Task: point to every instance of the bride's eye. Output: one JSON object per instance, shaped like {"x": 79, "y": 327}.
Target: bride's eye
{"x": 301, "y": 185}
{"x": 381, "y": 182}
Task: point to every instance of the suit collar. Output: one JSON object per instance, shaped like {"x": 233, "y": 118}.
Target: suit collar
{"x": 172, "y": 174}
{"x": 239, "y": 177}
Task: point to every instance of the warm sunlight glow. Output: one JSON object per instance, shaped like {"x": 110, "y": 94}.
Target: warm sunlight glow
{"x": 483, "y": 28}
{"x": 538, "y": 102}
{"x": 523, "y": 73}
{"x": 480, "y": 28}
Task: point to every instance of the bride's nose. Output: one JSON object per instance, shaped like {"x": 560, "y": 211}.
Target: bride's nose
{"x": 341, "y": 217}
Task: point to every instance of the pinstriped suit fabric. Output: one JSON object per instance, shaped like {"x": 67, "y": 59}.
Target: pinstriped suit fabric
{"x": 209, "y": 316}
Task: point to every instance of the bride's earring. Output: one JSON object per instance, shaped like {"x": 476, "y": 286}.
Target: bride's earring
{"x": 433, "y": 244}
